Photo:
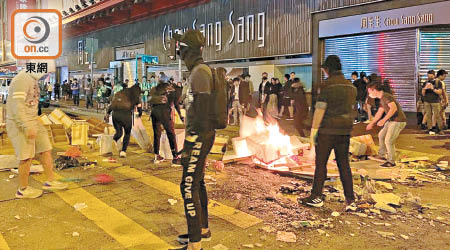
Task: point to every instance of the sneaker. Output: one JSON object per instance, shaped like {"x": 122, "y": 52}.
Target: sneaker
{"x": 158, "y": 159}
{"x": 312, "y": 202}
{"x": 387, "y": 165}
{"x": 54, "y": 185}
{"x": 123, "y": 154}
{"x": 431, "y": 132}
{"x": 184, "y": 238}
{"x": 176, "y": 161}
{"x": 379, "y": 158}
{"x": 28, "y": 193}
{"x": 351, "y": 207}
{"x": 289, "y": 119}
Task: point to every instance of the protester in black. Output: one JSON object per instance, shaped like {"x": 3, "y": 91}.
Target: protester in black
{"x": 360, "y": 85}
{"x": 161, "y": 100}
{"x": 57, "y": 90}
{"x": 300, "y": 104}
{"x": 264, "y": 93}
{"x": 331, "y": 129}
{"x": 123, "y": 119}
{"x": 200, "y": 135}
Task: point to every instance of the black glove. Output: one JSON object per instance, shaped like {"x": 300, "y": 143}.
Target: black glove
{"x": 139, "y": 111}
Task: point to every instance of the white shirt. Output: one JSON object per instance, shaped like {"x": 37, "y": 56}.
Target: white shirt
{"x": 236, "y": 92}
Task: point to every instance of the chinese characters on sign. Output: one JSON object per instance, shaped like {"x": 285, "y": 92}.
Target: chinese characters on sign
{"x": 41, "y": 68}
{"x": 373, "y": 22}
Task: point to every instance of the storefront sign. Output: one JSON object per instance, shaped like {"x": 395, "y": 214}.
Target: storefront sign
{"x": 115, "y": 65}
{"x": 129, "y": 52}
{"x": 416, "y": 16}
{"x": 244, "y": 29}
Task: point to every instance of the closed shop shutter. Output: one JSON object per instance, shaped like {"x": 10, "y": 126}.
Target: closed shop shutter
{"x": 434, "y": 51}
{"x": 391, "y": 55}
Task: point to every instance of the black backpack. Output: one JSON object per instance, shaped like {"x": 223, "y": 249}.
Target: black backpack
{"x": 121, "y": 101}
{"x": 219, "y": 107}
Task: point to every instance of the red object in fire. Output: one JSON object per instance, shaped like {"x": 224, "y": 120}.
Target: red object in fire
{"x": 104, "y": 178}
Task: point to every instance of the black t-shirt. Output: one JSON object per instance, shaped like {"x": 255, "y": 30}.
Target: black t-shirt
{"x": 430, "y": 96}
{"x": 361, "y": 89}
{"x": 340, "y": 98}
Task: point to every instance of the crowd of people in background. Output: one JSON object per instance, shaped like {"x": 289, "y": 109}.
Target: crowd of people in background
{"x": 431, "y": 105}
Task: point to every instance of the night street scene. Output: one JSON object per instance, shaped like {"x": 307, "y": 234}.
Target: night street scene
{"x": 224, "y": 124}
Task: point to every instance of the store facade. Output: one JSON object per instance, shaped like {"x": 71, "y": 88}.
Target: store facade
{"x": 400, "y": 43}
{"x": 243, "y": 36}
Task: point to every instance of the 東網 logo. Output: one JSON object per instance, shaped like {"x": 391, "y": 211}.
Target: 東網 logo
{"x": 36, "y": 34}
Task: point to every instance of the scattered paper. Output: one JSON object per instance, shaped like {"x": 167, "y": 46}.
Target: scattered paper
{"x": 172, "y": 202}
{"x": 80, "y": 206}
{"x": 75, "y": 234}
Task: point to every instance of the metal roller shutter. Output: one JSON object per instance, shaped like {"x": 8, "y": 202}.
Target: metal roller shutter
{"x": 434, "y": 51}
{"x": 391, "y": 55}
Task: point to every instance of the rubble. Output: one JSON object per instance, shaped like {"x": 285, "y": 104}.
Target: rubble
{"x": 288, "y": 237}
{"x": 385, "y": 207}
{"x": 384, "y": 185}
{"x": 75, "y": 234}
{"x": 172, "y": 202}
{"x": 220, "y": 247}
{"x": 386, "y": 234}
{"x": 248, "y": 246}
{"x": 404, "y": 236}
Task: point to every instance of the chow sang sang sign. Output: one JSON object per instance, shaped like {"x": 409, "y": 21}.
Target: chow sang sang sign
{"x": 247, "y": 28}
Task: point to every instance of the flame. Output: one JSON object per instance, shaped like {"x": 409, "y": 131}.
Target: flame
{"x": 265, "y": 141}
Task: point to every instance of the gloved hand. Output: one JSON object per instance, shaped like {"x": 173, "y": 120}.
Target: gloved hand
{"x": 313, "y": 136}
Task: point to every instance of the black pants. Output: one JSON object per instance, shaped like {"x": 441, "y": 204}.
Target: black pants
{"x": 76, "y": 99}
{"x": 340, "y": 144}
{"x": 299, "y": 118}
{"x": 89, "y": 101}
{"x": 161, "y": 115}
{"x": 122, "y": 120}
{"x": 57, "y": 97}
{"x": 50, "y": 95}
{"x": 193, "y": 189}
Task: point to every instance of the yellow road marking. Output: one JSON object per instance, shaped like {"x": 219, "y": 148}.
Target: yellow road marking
{"x": 124, "y": 230}
{"x": 3, "y": 244}
{"x": 234, "y": 216}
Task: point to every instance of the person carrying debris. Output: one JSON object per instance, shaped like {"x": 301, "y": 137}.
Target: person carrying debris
{"x": 200, "y": 135}
{"x": 26, "y": 132}
{"x": 122, "y": 108}
{"x": 332, "y": 125}
{"x": 161, "y": 106}
{"x": 393, "y": 122}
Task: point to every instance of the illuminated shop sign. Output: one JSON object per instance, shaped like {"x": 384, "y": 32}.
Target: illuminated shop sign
{"x": 416, "y": 16}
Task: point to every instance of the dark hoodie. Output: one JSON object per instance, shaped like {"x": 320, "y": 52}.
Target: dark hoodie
{"x": 199, "y": 91}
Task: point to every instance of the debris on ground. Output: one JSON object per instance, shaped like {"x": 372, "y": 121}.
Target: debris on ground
{"x": 257, "y": 192}
{"x": 104, "y": 178}
{"x": 248, "y": 246}
{"x": 220, "y": 247}
{"x": 17, "y": 217}
{"x": 75, "y": 234}
{"x": 80, "y": 206}
{"x": 386, "y": 234}
{"x": 172, "y": 202}
{"x": 288, "y": 237}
